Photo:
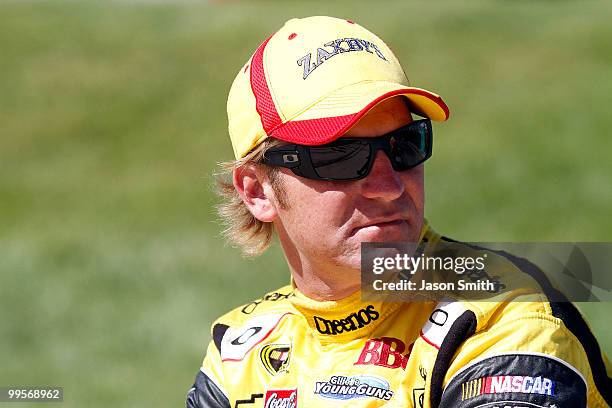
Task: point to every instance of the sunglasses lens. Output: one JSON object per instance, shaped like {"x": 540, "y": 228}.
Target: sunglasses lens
{"x": 411, "y": 147}
{"x": 342, "y": 160}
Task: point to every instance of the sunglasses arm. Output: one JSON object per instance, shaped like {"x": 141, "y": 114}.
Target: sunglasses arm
{"x": 289, "y": 158}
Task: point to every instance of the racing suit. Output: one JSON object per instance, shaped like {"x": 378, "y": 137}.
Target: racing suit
{"x": 286, "y": 350}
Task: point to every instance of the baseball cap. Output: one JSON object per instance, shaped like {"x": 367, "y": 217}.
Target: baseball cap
{"x": 312, "y": 80}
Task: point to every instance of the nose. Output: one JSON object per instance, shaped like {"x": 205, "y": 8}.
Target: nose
{"x": 383, "y": 182}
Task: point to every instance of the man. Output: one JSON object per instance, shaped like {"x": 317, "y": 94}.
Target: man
{"x": 328, "y": 158}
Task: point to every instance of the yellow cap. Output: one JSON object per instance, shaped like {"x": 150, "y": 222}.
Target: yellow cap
{"x": 312, "y": 80}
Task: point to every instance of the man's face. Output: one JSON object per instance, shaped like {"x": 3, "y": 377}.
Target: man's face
{"x": 326, "y": 221}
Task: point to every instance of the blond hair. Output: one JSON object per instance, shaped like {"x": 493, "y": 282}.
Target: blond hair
{"x": 241, "y": 228}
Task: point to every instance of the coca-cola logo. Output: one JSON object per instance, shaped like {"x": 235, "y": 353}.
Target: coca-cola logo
{"x": 281, "y": 399}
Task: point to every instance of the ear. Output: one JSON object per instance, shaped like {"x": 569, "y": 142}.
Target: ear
{"x": 254, "y": 188}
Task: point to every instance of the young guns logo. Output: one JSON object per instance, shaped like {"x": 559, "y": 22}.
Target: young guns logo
{"x": 352, "y": 322}
{"x": 384, "y": 352}
{"x": 507, "y": 383}
{"x": 335, "y": 47}
{"x": 341, "y": 387}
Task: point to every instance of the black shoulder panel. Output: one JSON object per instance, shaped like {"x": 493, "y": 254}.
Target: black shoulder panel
{"x": 462, "y": 328}
{"x": 206, "y": 394}
{"x": 218, "y": 333}
{"x": 573, "y": 320}
{"x": 570, "y": 316}
{"x": 516, "y": 380}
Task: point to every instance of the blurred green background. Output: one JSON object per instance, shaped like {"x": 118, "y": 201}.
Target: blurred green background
{"x": 112, "y": 117}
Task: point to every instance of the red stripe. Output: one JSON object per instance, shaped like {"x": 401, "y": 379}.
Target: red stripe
{"x": 314, "y": 132}
{"x": 263, "y": 98}
{"x": 487, "y": 385}
{"x": 431, "y": 343}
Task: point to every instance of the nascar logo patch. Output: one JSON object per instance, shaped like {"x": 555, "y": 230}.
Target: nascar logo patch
{"x": 516, "y": 380}
{"x": 507, "y": 383}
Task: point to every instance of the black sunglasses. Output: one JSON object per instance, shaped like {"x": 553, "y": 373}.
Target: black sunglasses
{"x": 351, "y": 158}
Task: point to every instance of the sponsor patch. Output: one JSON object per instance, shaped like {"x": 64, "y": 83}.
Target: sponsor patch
{"x": 510, "y": 404}
{"x": 418, "y": 394}
{"x": 352, "y": 322}
{"x": 342, "y": 387}
{"x": 384, "y": 352}
{"x": 238, "y": 341}
{"x": 248, "y": 401}
{"x": 507, "y": 383}
{"x": 281, "y": 399}
{"x": 516, "y": 380}
{"x": 275, "y": 357}
{"x": 440, "y": 321}
{"x": 270, "y": 297}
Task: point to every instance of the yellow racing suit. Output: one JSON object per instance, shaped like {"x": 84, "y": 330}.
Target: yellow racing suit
{"x": 286, "y": 350}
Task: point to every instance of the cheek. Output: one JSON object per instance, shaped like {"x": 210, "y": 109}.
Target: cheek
{"x": 319, "y": 211}
{"x": 316, "y": 210}
{"x": 414, "y": 182}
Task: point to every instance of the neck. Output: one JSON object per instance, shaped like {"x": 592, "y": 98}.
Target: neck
{"x": 316, "y": 279}
{"x": 319, "y": 287}
{"x": 326, "y": 281}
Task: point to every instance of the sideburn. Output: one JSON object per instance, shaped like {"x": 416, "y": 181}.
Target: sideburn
{"x": 278, "y": 187}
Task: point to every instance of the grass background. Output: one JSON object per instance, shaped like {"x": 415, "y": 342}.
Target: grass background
{"x": 112, "y": 117}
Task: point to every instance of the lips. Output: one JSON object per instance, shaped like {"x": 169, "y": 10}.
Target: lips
{"x": 382, "y": 224}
